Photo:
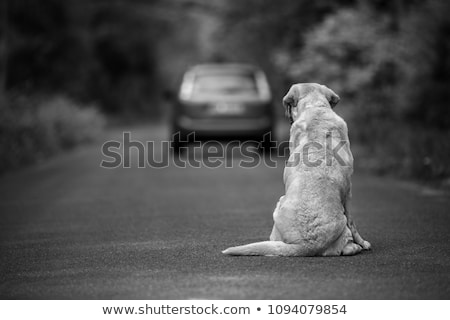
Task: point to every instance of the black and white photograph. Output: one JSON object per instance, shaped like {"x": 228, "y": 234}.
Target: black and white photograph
{"x": 287, "y": 152}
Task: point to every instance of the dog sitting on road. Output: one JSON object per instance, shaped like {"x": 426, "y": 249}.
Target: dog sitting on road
{"x": 313, "y": 217}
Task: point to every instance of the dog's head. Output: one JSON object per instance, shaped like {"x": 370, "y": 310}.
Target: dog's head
{"x": 300, "y": 91}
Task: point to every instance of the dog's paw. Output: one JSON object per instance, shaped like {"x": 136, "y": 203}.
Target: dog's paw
{"x": 366, "y": 245}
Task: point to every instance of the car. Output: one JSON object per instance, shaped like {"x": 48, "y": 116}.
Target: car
{"x": 222, "y": 101}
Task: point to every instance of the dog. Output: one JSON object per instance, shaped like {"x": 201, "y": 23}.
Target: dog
{"x": 313, "y": 217}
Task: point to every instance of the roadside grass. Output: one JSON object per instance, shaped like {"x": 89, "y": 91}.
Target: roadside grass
{"x": 33, "y": 128}
{"x": 403, "y": 150}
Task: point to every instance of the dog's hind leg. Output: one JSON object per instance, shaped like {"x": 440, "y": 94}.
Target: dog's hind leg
{"x": 275, "y": 235}
{"x": 337, "y": 246}
{"x": 351, "y": 224}
{"x": 351, "y": 249}
{"x": 343, "y": 245}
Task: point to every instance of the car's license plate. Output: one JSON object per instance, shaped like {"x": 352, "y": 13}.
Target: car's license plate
{"x": 227, "y": 108}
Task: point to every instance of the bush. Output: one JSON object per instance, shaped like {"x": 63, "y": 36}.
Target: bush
{"x": 32, "y": 129}
{"x": 392, "y": 147}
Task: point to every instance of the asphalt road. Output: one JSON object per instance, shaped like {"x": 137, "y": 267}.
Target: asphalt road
{"x": 70, "y": 229}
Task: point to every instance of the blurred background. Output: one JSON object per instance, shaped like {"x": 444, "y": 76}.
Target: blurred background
{"x": 69, "y": 69}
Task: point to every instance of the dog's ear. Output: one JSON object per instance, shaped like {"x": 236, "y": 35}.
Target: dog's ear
{"x": 290, "y": 101}
{"x": 331, "y": 96}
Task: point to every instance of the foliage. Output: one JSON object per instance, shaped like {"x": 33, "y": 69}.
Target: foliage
{"x": 88, "y": 50}
{"x": 424, "y": 64}
{"x": 32, "y": 128}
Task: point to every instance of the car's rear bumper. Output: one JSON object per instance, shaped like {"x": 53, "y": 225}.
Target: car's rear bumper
{"x": 225, "y": 127}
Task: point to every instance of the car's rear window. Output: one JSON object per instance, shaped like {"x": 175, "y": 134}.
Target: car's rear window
{"x": 225, "y": 84}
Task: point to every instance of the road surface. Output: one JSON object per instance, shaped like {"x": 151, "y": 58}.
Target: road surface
{"x": 72, "y": 230}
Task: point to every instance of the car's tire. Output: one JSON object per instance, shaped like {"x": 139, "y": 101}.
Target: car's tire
{"x": 176, "y": 146}
{"x": 177, "y": 141}
{"x": 265, "y": 145}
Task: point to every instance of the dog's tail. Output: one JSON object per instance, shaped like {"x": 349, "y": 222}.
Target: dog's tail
{"x": 270, "y": 248}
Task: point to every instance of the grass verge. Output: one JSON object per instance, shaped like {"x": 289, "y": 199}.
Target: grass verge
{"x": 32, "y": 129}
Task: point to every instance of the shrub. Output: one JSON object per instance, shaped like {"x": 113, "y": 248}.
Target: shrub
{"x": 32, "y": 129}
{"x": 400, "y": 148}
